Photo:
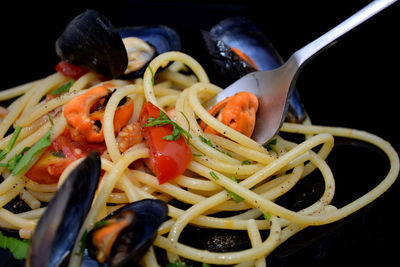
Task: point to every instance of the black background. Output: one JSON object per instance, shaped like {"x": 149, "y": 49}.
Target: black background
{"x": 352, "y": 84}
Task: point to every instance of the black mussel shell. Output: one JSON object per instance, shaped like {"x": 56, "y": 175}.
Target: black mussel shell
{"x": 227, "y": 66}
{"x": 57, "y": 229}
{"x": 91, "y": 41}
{"x": 244, "y": 35}
{"x": 149, "y": 214}
{"x": 161, "y": 37}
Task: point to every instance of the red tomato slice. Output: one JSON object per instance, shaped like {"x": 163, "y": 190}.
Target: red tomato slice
{"x": 168, "y": 159}
{"x": 62, "y": 151}
{"x": 70, "y": 70}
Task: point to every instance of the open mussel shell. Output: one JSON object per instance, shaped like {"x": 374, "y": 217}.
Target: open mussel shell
{"x": 133, "y": 228}
{"x": 158, "y": 37}
{"x": 241, "y": 34}
{"x": 57, "y": 229}
{"x": 226, "y": 64}
{"x": 91, "y": 41}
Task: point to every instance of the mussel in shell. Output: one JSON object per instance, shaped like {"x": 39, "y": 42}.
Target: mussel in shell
{"x": 236, "y": 46}
{"x": 123, "y": 237}
{"x": 143, "y": 43}
{"x": 57, "y": 229}
{"x": 119, "y": 239}
{"x": 90, "y": 40}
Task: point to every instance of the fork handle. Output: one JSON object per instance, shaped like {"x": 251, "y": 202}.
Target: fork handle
{"x": 303, "y": 55}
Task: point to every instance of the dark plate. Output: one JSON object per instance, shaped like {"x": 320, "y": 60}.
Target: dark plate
{"x": 352, "y": 84}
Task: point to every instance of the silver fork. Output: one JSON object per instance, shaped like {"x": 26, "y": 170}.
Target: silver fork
{"x": 274, "y": 87}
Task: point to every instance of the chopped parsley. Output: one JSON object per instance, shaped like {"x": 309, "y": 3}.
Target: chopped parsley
{"x": 178, "y": 264}
{"x": 11, "y": 144}
{"x": 209, "y": 143}
{"x": 246, "y": 162}
{"x": 100, "y": 224}
{"x": 233, "y": 195}
{"x": 206, "y": 141}
{"x": 184, "y": 264}
{"x": 22, "y": 159}
{"x": 19, "y": 248}
{"x": 163, "y": 119}
{"x": 83, "y": 241}
{"x": 267, "y": 216}
{"x": 271, "y": 145}
{"x": 214, "y": 176}
{"x": 152, "y": 75}
{"x": 63, "y": 88}
{"x": 58, "y": 154}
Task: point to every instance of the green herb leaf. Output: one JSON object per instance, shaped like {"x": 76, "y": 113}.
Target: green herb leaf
{"x": 162, "y": 120}
{"x": 267, "y": 216}
{"x": 205, "y": 265}
{"x": 100, "y": 224}
{"x": 43, "y": 143}
{"x": 152, "y": 75}
{"x": 19, "y": 248}
{"x": 14, "y": 160}
{"x": 246, "y": 162}
{"x": 213, "y": 175}
{"x": 271, "y": 145}
{"x": 233, "y": 195}
{"x": 11, "y": 144}
{"x": 208, "y": 142}
{"x": 83, "y": 241}
{"x": 58, "y": 154}
{"x": 63, "y": 88}
{"x": 178, "y": 264}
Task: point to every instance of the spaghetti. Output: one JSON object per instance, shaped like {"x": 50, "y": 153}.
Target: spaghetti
{"x": 207, "y": 186}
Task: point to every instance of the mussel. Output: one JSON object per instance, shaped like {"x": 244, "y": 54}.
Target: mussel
{"x": 119, "y": 239}
{"x": 90, "y": 40}
{"x": 124, "y": 236}
{"x": 143, "y": 43}
{"x": 57, "y": 229}
{"x": 236, "y": 46}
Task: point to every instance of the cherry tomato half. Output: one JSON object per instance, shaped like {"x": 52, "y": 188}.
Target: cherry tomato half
{"x": 168, "y": 159}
